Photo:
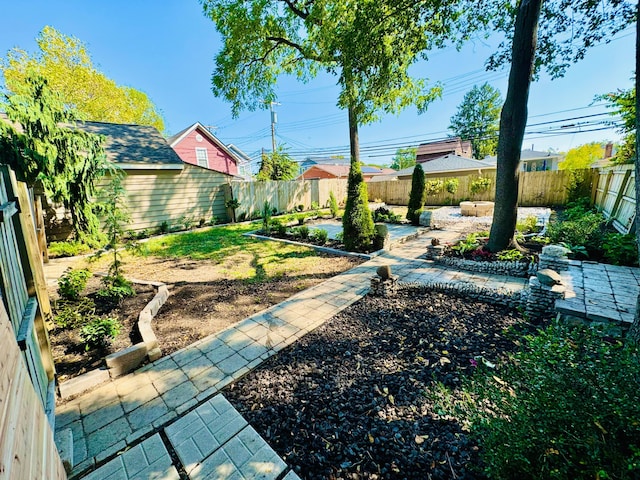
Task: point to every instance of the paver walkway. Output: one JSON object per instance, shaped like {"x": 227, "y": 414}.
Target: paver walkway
{"x": 173, "y": 406}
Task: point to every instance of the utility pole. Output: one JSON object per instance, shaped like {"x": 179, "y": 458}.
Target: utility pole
{"x": 274, "y": 120}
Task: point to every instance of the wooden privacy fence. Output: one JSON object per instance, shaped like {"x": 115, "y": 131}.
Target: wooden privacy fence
{"x": 27, "y": 395}
{"x": 285, "y": 196}
{"x": 616, "y": 196}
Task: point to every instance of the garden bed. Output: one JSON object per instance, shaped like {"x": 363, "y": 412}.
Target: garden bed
{"x": 349, "y": 400}
{"x": 69, "y": 354}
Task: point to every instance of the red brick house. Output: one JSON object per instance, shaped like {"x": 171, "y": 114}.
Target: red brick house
{"x": 454, "y": 145}
{"x": 196, "y": 145}
{"x": 340, "y": 171}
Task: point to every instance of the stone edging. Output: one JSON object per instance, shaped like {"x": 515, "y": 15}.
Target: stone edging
{"x": 469, "y": 290}
{"x": 130, "y": 358}
{"x": 512, "y": 269}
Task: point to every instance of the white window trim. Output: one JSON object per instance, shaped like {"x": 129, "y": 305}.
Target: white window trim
{"x": 202, "y": 162}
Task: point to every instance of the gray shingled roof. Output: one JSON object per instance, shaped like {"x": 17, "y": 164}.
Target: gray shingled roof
{"x": 448, "y": 163}
{"x": 133, "y": 144}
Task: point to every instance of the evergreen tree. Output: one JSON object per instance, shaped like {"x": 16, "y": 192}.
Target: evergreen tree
{"x": 357, "y": 223}
{"x": 48, "y": 150}
{"x": 417, "y": 196}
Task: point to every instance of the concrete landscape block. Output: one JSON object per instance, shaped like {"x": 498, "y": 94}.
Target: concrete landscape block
{"x": 126, "y": 360}
{"x": 83, "y": 382}
{"x": 64, "y": 444}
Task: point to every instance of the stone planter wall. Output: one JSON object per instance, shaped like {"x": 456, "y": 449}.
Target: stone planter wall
{"x": 512, "y": 269}
{"x": 468, "y": 290}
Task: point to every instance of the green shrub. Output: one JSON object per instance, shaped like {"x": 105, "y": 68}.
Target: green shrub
{"x": 333, "y": 204}
{"x": 383, "y": 214}
{"x": 302, "y": 232}
{"x": 417, "y": 195}
{"x": 433, "y": 187}
{"x": 67, "y": 249}
{"x": 566, "y": 406}
{"x": 99, "y": 332}
{"x": 315, "y": 207}
{"x": 320, "y": 235}
{"x": 72, "y": 283}
{"x": 620, "y": 249}
{"x": 578, "y": 208}
{"x": 480, "y": 185}
{"x": 451, "y": 185}
{"x": 357, "y": 223}
{"x": 469, "y": 244}
{"x": 279, "y": 227}
{"x": 74, "y": 314}
{"x": 266, "y": 218}
{"x": 587, "y": 229}
{"x": 528, "y": 225}
{"x": 301, "y": 218}
{"x": 512, "y": 255}
{"x": 116, "y": 288}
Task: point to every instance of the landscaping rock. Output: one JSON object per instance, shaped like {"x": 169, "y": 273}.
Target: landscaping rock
{"x": 126, "y": 360}
{"x": 425, "y": 218}
{"x": 384, "y": 272}
{"x": 548, "y": 277}
{"x": 435, "y": 241}
{"x": 557, "y": 251}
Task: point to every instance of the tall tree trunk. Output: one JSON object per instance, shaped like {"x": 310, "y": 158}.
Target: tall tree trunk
{"x": 513, "y": 120}
{"x": 634, "y": 331}
{"x": 354, "y": 141}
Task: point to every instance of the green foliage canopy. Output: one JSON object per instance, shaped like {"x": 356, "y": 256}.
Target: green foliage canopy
{"x": 65, "y": 63}
{"x": 40, "y": 144}
{"x": 277, "y": 165}
{"x": 582, "y": 156}
{"x": 623, "y": 104}
{"x": 477, "y": 119}
{"x": 404, "y": 158}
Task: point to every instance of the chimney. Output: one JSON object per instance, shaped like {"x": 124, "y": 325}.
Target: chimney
{"x": 608, "y": 150}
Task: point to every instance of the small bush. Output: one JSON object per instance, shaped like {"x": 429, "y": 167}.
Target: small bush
{"x": 72, "y": 283}
{"x": 383, "y": 214}
{"x": 433, "y": 187}
{"x": 333, "y": 204}
{"x": 469, "y": 244}
{"x": 586, "y": 229}
{"x": 451, "y": 185}
{"x": 116, "y": 288}
{"x": 301, "y": 232}
{"x": 301, "y": 218}
{"x": 67, "y": 249}
{"x": 70, "y": 315}
{"x": 528, "y": 225}
{"x": 567, "y": 405}
{"x": 164, "y": 227}
{"x": 320, "y": 235}
{"x": 266, "y": 218}
{"x": 279, "y": 227}
{"x": 512, "y": 255}
{"x": 99, "y": 332}
{"x": 480, "y": 185}
{"x": 620, "y": 249}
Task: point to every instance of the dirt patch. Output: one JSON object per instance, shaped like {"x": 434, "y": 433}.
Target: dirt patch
{"x": 350, "y": 400}
{"x": 205, "y": 298}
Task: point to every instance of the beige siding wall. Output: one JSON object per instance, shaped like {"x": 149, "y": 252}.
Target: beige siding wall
{"x": 156, "y": 196}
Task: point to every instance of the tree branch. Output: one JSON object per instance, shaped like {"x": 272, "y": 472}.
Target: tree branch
{"x": 304, "y": 52}
{"x": 299, "y": 12}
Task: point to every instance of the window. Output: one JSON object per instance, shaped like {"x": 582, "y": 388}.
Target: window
{"x": 202, "y": 158}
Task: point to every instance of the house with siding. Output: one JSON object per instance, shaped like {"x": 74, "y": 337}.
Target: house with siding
{"x": 536, "y": 161}
{"x": 196, "y": 145}
{"x": 427, "y": 152}
{"x": 445, "y": 166}
{"x": 160, "y": 187}
{"x": 340, "y": 171}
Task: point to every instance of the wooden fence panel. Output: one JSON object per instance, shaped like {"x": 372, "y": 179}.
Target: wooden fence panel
{"x": 27, "y": 448}
{"x": 616, "y": 196}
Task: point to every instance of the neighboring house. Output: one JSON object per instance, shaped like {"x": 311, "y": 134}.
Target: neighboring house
{"x": 427, "y": 152}
{"x": 444, "y": 166}
{"x": 161, "y": 189}
{"x": 339, "y": 171}
{"x": 196, "y": 145}
{"x": 244, "y": 162}
{"x": 534, "y": 161}
{"x": 309, "y": 162}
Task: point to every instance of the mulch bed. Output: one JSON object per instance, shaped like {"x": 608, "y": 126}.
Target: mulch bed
{"x": 348, "y": 400}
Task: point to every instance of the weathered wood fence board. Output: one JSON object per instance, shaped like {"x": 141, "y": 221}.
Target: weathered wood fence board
{"x": 27, "y": 448}
{"x": 285, "y": 196}
{"x": 616, "y": 196}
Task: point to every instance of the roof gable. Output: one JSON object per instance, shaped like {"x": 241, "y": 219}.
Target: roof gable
{"x": 202, "y": 130}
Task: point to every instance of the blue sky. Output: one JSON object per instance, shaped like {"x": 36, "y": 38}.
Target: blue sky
{"x": 167, "y": 48}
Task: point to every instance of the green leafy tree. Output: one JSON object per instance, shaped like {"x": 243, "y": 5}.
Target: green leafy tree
{"x": 568, "y": 28}
{"x": 40, "y": 144}
{"x": 623, "y": 104}
{"x": 477, "y": 119}
{"x": 369, "y": 46}
{"x": 582, "y": 157}
{"x": 404, "y": 158}
{"x": 65, "y": 63}
{"x": 417, "y": 196}
{"x": 277, "y": 165}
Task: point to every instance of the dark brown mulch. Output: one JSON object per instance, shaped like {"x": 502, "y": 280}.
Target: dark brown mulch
{"x": 69, "y": 354}
{"x": 348, "y": 400}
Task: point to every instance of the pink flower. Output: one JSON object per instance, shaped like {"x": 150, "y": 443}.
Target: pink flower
{"x": 473, "y": 362}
